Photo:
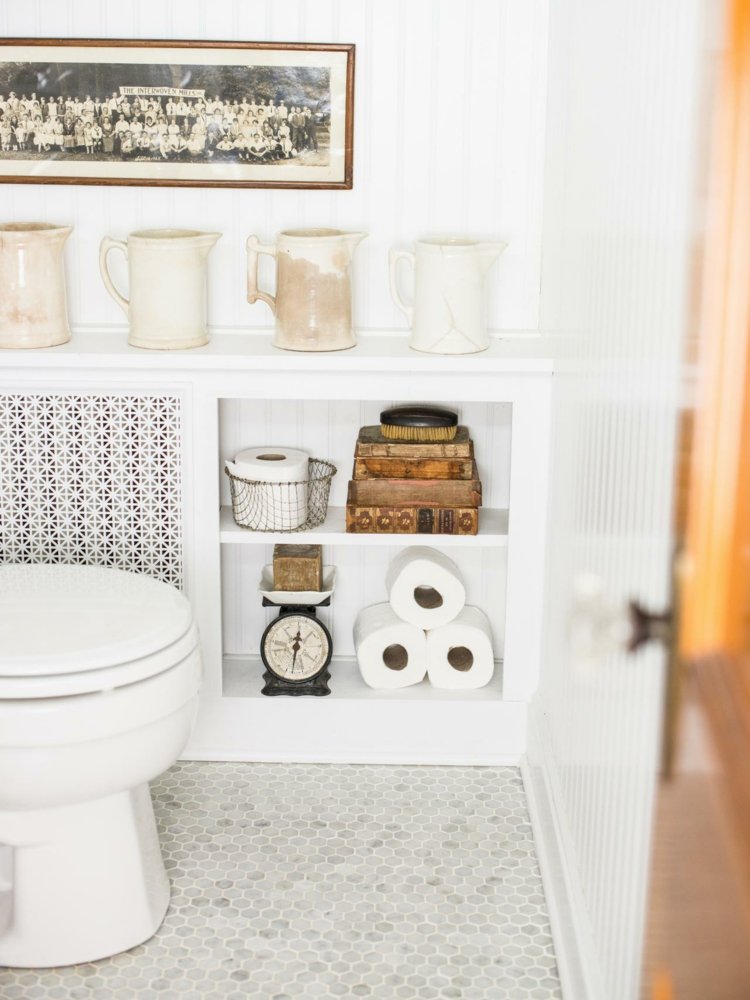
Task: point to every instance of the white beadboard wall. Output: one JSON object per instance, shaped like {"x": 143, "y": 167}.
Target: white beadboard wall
{"x": 327, "y": 429}
{"x": 448, "y": 137}
{"x": 360, "y": 581}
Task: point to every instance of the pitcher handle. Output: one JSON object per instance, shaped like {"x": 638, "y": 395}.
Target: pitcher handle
{"x": 395, "y": 256}
{"x": 108, "y": 244}
{"x": 255, "y": 247}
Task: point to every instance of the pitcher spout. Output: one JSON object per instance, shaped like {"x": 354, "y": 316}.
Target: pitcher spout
{"x": 210, "y": 239}
{"x": 489, "y": 252}
{"x": 353, "y": 240}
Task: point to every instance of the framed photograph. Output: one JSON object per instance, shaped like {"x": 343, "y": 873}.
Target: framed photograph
{"x": 204, "y": 114}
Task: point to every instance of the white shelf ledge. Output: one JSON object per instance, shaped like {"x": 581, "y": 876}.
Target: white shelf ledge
{"x": 493, "y": 532}
{"x": 239, "y": 351}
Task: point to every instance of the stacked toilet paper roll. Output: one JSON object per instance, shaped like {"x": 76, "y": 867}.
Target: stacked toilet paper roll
{"x": 279, "y": 496}
{"x": 425, "y": 587}
{"x": 459, "y": 655}
{"x": 391, "y": 653}
{"x": 425, "y": 628}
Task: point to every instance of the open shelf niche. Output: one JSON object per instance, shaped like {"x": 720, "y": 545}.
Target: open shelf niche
{"x": 328, "y": 429}
{"x": 505, "y": 405}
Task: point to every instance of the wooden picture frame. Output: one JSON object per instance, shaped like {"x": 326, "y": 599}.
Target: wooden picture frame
{"x": 198, "y": 114}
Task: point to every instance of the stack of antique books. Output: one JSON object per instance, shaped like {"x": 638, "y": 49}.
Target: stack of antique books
{"x": 423, "y": 487}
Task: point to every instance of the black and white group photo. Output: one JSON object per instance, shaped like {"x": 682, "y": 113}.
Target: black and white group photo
{"x": 131, "y": 112}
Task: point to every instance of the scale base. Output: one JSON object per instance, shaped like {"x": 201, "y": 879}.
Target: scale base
{"x": 317, "y": 685}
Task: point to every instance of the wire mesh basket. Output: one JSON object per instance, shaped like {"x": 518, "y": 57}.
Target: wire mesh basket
{"x": 289, "y": 507}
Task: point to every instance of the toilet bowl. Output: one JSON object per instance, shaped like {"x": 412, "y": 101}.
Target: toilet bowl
{"x": 99, "y": 677}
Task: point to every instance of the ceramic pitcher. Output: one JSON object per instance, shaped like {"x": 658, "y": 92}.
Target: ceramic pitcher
{"x": 33, "y": 308}
{"x": 168, "y": 286}
{"x": 313, "y": 301}
{"x": 449, "y": 311}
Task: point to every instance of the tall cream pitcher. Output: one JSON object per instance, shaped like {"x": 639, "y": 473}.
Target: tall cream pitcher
{"x": 313, "y": 301}
{"x": 33, "y": 303}
{"x": 168, "y": 269}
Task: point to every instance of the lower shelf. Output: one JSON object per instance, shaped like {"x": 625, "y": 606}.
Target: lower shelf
{"x": 243, "y": 678}
{"x": 356, "y": 724}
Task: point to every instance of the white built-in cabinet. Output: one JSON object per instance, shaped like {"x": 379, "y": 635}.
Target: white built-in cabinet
{"x": 238, "y": 392}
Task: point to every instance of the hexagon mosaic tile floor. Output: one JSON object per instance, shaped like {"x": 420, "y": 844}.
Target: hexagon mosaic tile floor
{"x": 353, "y": 881}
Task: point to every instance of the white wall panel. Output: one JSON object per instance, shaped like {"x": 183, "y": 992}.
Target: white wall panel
{"x": 449, "y": 133}
{"x": 360, "y": 581}
{"x": 328, "y": 429}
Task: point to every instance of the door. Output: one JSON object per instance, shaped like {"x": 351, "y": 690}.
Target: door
{"x": 624, "y": 132}
{"x": 699, "y": 914}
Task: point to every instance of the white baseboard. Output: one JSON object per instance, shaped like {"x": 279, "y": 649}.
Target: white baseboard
{"x": 577, "y": 960}
{"x": 384, "y": 758}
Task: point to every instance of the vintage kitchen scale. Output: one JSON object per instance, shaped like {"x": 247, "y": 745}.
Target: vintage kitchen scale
{"x": 296, "y": 647}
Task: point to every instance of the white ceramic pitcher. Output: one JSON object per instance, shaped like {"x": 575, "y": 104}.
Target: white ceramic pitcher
{"x": 313, "y": 301}
{"x": 33, "y": 306}
{"x": 449, "y": 312}
{"x": 168, "y": 286}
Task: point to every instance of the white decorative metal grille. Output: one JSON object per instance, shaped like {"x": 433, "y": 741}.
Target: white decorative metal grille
{"x": 92, "y": 478}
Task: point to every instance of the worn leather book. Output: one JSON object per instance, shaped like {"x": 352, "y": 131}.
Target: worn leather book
{"x": 413, "y": 468}
{"x": 400, "y": 520}
{"x": 372, "y": 444}
{"x": 424, "y": 492}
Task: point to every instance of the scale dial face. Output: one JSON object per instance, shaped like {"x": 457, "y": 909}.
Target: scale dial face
{"x": 296, "y": 647}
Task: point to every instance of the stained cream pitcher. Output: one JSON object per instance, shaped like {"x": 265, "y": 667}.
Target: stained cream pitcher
{"x": 449, "y": 311}
{"x": 168, "y": 286}
{"x": 313, "y": 301}
{"x": 33, "y": 306}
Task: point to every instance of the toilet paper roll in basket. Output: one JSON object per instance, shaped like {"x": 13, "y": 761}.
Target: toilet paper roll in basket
{"x": 280, "y": 498}
{"x": 425, "y": 587}
{"x": 390, "y": 652}
{"x": 459, "y": 654}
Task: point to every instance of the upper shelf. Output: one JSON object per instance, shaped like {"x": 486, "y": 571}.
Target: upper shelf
{"x": 238, "y": 351}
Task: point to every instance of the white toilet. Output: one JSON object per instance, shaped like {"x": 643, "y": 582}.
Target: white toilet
{"x": 99, "y": 678}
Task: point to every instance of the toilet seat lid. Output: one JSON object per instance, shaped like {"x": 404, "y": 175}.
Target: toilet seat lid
{"x": 58, "y": 619}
